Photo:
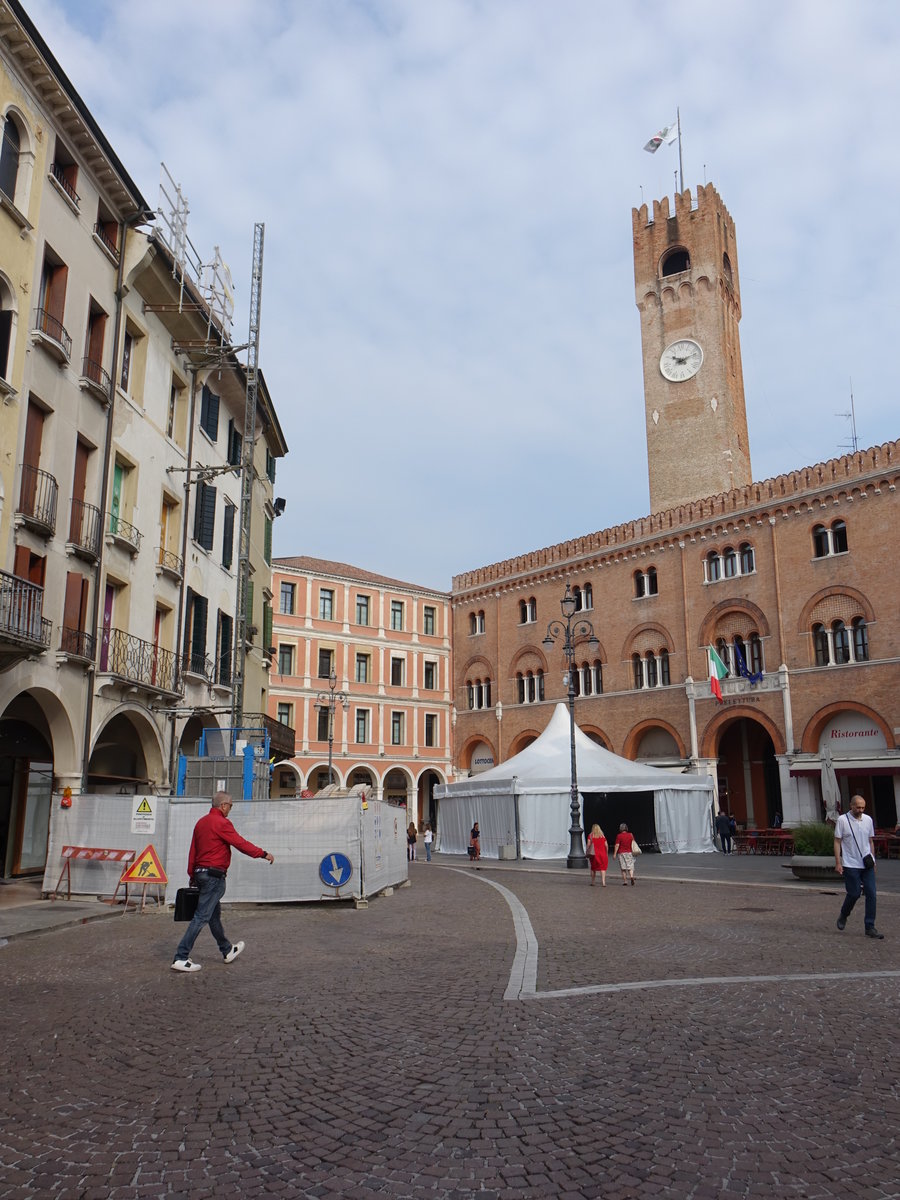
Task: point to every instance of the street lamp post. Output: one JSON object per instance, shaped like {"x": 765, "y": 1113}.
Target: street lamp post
{"x": 329, "y": 701}
{"x": 569, "y": 630}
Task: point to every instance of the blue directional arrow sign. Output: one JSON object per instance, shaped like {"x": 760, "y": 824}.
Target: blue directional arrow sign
{"x": 335, "y": 870}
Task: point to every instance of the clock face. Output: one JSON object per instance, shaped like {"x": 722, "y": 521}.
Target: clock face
{"x": 682, "y": 360}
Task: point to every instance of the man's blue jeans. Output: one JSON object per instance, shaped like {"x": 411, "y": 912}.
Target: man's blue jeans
{"x": 858, "y": 880}
{"x": 209, "y": 912}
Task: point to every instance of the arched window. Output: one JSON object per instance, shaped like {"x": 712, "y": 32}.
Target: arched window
{"x": 652, "y": 677}
{"x": 529, "y": 679}
{"x": 841, "y": 642}
{"x": 839, "y": 537}
{"x": 532, "y": 609}
{"x": 587, "y": 682}
{"x": 473, "y": 623}
{"x": 675, "y": 262}
{"x": 639, "y": 584}
{"x": 820, "y": 644}
{"x": 540, "y": 685}
{"x": 576, "y": 681}
{"x": 755, "y": 661}
{"x": 713, "y": 566}
{"x": 576, "y": 593}
{"x": 9, "y": 157}
{"x": 637, "y": 670}
{"x": 724, "y": 653}
{"x": 652, "y": 584}
{"x": 523, "y": 612}
{"x": 820, "y": 541}
{"x": 860, "y": 640}
{"x": 481, "y": 621}
{"x": 588, "y": 596}
{"x": 748, "y": 561}
{"x": 830, "y": 541}
{"x": 470, "y": 695}
{"x": 729, "y": 560}
{"x": 663, "y": 668}
{"x": 487, "y": 693}
{"x": 520, "y": 687}
{"x": 597, "y": 670}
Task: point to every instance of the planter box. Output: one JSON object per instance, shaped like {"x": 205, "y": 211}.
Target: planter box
{"x": 814, "y": 868}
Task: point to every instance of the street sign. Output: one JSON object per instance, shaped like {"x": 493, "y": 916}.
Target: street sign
{"x": 146, "y": 868}
{"x": 335, "y": 870}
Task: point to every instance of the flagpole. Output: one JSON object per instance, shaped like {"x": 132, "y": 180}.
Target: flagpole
{"x": 680, "y": 167}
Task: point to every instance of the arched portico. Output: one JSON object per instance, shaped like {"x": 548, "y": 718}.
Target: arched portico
{"x": 426, "y": 805}
{"x": 127, "y": 753}
{"x": 745, "y": 744}
{"x": 287, "y": 780}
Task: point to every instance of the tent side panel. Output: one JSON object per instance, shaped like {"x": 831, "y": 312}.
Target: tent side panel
{"x": 544, "y": 825}
{"x": 457, "y": 814}
{"x": 684, "y": 821}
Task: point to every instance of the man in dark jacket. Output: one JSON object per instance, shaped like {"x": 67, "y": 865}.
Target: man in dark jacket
{"x": 208, "y": 862}
{"x": 723, "y": 829}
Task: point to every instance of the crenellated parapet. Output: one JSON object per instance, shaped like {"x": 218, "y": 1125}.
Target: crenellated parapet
{"x": 877, "y": 466}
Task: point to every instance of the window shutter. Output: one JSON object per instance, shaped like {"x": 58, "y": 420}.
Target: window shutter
{"x": 267, "y": 548}
{"x": 205, "y": 516}
{"x": 228, "y": 536}
{"x": 267, "y": 625}
{"x": 198, "y": 634}
{"x": 249, "y": 601}
{"x": 209, "y": 412}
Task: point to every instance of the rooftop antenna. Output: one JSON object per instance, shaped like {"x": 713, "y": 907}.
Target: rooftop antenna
{"x": 850, "y": 416}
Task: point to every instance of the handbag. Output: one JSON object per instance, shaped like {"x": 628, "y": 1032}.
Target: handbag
{"x": 868, "y": 861}
{"x": 635, "y": 848}
{"x": 186, "y": 900}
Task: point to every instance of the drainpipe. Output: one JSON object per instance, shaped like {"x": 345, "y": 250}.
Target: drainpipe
{"x": 184, "y": 542}
{"x": 124, "y": 226}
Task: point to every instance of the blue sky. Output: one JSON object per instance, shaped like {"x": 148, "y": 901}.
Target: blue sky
{"x": 448, "y": 319}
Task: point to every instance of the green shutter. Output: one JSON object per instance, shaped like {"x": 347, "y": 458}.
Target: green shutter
{"x": 267, "y": 550}
{"x": 267, "y": 625}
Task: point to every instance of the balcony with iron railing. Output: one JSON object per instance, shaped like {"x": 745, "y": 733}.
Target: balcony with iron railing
{"x": 85, "y": 530}
{"x": 58, "y": 176}
{"x": 282, "y": 738}
{"x": 102, "y": 235}
{"x": 76, "y": 643}
{"x": 50, "y": 333}
{"x": 38, "y": 497}
{"x": 141, "y": 664}
{"x": 95, "y": 379}
{"x": 123, "y": 533}
{"x": 23, "y": 627}
{"x": 169, "y": 563}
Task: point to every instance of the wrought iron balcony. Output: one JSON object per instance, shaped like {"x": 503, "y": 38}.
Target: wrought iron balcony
{"x": 169, "y": 563}
{"x": 95, "y": 379}
{"x": 282, "y": 738}
{"x": 76, "y": 643}
{"x": 58, "y": 173}
{"x": 201, "y": 665}
{"x": 85, "y": 527}
{"x": 101, "y": 234}
{"x": 141, "y": 663}
{"x": 22, "y": 623}
{"x": 124, "y": 533}
{"x": 50, "y": 332}
{"x": 37, "y": 500}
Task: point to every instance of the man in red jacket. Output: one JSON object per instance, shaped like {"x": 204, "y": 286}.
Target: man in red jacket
{"x": 208, "y": 863}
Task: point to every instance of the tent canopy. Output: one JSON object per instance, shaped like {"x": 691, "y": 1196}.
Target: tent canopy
{"x": 525, "y": 800}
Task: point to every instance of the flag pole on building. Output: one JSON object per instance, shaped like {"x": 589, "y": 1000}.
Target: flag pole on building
{"x": 680, "y": 166}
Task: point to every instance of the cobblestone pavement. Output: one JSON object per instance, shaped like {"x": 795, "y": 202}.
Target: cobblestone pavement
{"x": 372, "y": 1054}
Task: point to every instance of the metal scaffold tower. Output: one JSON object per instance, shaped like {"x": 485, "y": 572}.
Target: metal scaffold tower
{"x": 247, "y": 477}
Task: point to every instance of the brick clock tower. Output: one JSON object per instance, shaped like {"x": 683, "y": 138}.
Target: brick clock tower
{"x": 688, "y": 294}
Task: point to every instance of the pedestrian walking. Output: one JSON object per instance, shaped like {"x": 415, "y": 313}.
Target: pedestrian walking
{"x": 208, "y": 862}
{"x": 598, "y": 854}
{"x": 475, "y": 843}
{"x": 854, "y": 859}
{"x": 428, "y": 838}
{"x": 723, "y": 829}
{"x": 412, "y": 836}
{"x": 625, "y": 849}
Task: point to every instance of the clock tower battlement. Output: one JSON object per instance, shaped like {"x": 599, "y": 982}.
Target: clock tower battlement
{"x": 687, "y": 290}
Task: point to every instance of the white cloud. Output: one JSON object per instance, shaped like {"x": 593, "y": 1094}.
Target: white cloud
{"x": 448, "y": 313}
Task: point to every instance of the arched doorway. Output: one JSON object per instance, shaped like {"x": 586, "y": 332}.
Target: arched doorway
{"x": 124, "y": 758}
{"x": 748, "y": 779}
{"x": 26, "y": 785}
{"x": 396, "y": 787}
{"x": 427, "y": 805}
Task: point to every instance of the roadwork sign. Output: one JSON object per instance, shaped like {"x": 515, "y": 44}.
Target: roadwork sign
{"x": 146, "y": 868}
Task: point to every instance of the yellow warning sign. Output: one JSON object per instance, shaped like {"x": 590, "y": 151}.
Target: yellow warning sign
{"x": 144, "y": 807}
{"x": 146, "y": 868}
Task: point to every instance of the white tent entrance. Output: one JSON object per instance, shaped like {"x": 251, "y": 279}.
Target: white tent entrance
{"x": 524, "y": 802}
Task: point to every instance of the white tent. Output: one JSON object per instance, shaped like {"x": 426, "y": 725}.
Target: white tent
{"x": 525, "y": 801}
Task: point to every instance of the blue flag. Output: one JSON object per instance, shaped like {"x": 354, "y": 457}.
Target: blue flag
{"x": 753, "y": 676}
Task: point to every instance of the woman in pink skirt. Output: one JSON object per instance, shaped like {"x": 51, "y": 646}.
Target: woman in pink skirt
{"x": 598, "y": 854}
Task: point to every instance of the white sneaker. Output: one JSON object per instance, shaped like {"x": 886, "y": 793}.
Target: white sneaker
{"x": 185, "y": 964}
{"x": 234, "y": 952}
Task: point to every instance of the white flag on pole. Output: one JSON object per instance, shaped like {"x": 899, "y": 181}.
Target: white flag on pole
{"x": 667, "y": 134}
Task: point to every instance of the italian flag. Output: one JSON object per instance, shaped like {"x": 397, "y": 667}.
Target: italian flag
{"x": 717, "y": 672}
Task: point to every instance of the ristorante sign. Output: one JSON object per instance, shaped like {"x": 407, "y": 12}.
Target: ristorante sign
{"x": 850, "y": 732}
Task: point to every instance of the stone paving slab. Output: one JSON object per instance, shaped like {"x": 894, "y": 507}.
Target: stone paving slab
{"x": 371, "y": 1053}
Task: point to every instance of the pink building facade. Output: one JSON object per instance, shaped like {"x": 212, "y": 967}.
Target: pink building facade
{"x": 362, "y": 671}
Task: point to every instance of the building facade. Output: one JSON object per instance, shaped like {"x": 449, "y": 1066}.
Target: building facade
{"x": 121, "y": 399}
{"x": 362, "y": 671}
{"x": 791, "y": 579}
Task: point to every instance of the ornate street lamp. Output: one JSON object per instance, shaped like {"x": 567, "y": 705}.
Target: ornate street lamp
{"x": 569, "y": 630}
{"x": 328, "y": 701}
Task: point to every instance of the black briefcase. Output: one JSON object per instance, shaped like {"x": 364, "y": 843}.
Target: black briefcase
{"x": 186, "y": 903}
